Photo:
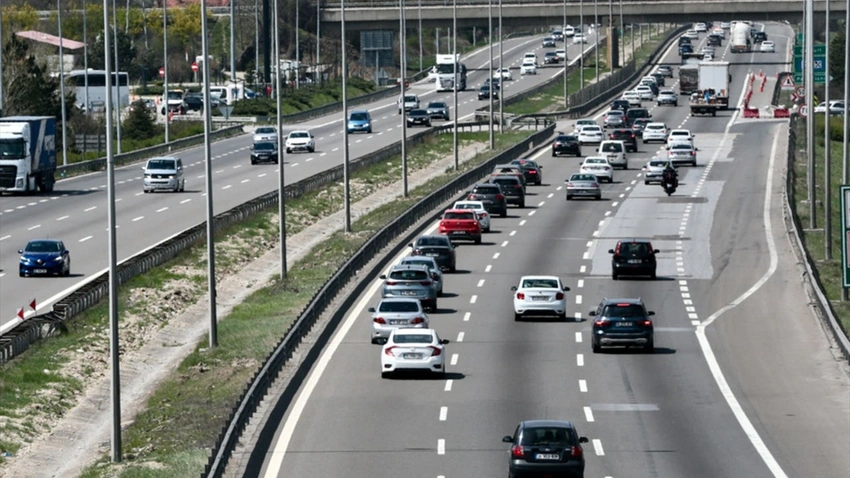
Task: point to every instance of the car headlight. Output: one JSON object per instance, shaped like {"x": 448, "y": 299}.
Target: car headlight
{"x": 147, "y": 175}
{"x": 58, "y": 258}
{"x": 170, "y": 176}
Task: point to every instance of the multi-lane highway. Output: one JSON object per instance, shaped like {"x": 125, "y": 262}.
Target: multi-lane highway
{"x": 76, "y": 211}
{"x": 742, "y": 383}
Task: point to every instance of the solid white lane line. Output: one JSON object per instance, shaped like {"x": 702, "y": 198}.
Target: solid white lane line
{"x": 62, "y": 218}
{"x": 441, "y": 446}
{"x": 90, "y": 209}
{"x": 449, "y": 383}
{"x": 34, "y": 227}
{"x": 578, "y": 337}
{"x": 582, "y": 386}
{"x": 162, "y": 209}
{"x": 588, "y": 414}
{"x": 454, "y": 359}
{"x": 466, "y": 316}
{"x": 138, "y": 218}
{"x": 580, "y": 360}
{"x": 597, "y": 447}
{"x": 473, "y": 299}
{"x": 444, "y": 411}
{"x": 481, "y": 283}
{"x": 85, "y": 239}
{"x": 460, "y": 336}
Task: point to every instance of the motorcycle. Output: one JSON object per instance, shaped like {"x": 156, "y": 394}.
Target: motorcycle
{"x": 669, "y": 185}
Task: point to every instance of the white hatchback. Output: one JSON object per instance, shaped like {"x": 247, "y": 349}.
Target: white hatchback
{"x": 632, "y": 97}
{"x": 300, "y": 141}
{"x": 645, "y": 93}
{"x": 413, "y": 349}
{"x": 615, "y": 151}
{"x": 767, "y": 47}
{"x": 540, "y": 295}
{"x": 528, "y": 67}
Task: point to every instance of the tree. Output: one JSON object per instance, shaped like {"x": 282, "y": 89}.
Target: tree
{"x": 126, "y": 53}
{"x": 29, "y": 88}
{"x": 836, "y": 56}
{"x": 140, "y": 123}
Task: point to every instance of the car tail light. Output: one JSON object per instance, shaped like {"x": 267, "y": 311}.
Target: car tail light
{"x": 435, "y": 351}
{"x": 499, "y": 197}
{"x": 471, "y": 197}
{"x": 416, "y": 252}
{"x": 520, "y": 296}
{"x": 379, "y": 320}
{"x": 417, "y": 320}
{"x": 602, "y": 322}
{"x": 482, "y": 214}
{"x": 607, "y": 168}
{"x": 595, "y": 185}
{"x": 559, "y": 296}
{"x": 390, "y": 282}
{"x": 425, "y": 282}
{"x": 389, "y": 351}
{"x": 693, "y": 153}
{"x": 647, "y": 323}
{"x": 517, "y": 451}
{"x": 576, "y": 451}
{"x": 517, "y": 186}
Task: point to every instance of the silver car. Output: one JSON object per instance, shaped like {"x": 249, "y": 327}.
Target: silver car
{"x": 614, "y": 118}
{"x": 410, "y": 282}
{"x": 265, "y": 133}
{"x": 164, "y": 173}
{"x": 653, "y": 170}
{"x": 393, "y": 314}
{"x": 682, "y": 153}
{"x": 433, "y": 268}
{"x": 583, "y": 185}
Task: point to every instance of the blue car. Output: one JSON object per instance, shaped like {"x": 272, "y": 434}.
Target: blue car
{"x": 360, "y": 121}
{"x": 45, "y": 256}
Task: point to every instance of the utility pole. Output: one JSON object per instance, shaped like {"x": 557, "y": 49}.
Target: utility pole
{"x": 501, "y": 95}
{"x": 297, "y": 45}
{"x": 117, "y": 76}
{"x": 827, "y": 179}
{"x": 165, "y": 66}
{"x": 402, "y": 48}
{"x": 318, "y": 39}
{"x": 492, "y": 90}
{"x": 454, "y": 89}
{"x": 345, "y": 173}
{"x": 566, "y": 58}
{"x": 211, "y": 280}
{"x": 810, "y": 120}
{"x": 281, "y": 179}
{"x": 232, "y": 39}
{"x": 62, "y": 86}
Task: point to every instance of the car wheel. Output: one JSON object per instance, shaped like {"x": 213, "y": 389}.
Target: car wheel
{"x": 503, "y": 214}
{"x": 578, "y": 154}
{"x": 569, "y": 197}
{"x": 67, "y": 272}
{"x": 21, "y": 274}
{"x": 649, "y": 347}
{"x": 614, "y": 276}
{"x": 376, "y": 340}
{"x": 488, "y": 229}
{"x": 478, "y": 240}
{"x": 598, "y": 198}
{"x": 554, "y": 154}
{"x": 562, "y": 317}
{"x": 183, "y": 186}
{"x": 652, "y": 276}
{"x": 385, "y": 375}
{"x": 517, "y": 317}
{"x": 645, "y": 141}
{"x": 595, "y": 347}
{"x": 434, "y": 305}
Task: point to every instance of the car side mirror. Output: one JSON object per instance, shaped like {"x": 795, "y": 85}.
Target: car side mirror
{"x": 582, "y": 440}
{"x": 696, "y": 149}
{"x": 142, "y": 168}
{"x": 410, "y": 245}
{"x": 668, "y": 148}
{"x": 444, "y": 341}
{"x": 513, "y": 289}
{"x": 20, "y": 251}
{"x": 371, "y": 309}
{"x": 382, "y": 276}
{"x": 508, "y": 439}
{"x": 656, "y": 251}
{"x": 649, "y": 116}
{"x": 650, "y": 313}
{"x": 610, "y": 251}
{"x": 597, "y": 150}
{"x": 592, "y": 313}
{"x": 566, "y": 289}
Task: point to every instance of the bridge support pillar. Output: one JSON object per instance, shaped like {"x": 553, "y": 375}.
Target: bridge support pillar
{"x": 613, "y": 39}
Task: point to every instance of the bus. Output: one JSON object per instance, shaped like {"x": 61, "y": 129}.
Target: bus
{"x": 76, "y": 79}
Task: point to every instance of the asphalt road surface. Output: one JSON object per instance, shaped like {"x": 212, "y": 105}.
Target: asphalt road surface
{"x": 742, "y": 383}
{"x": 76, "y": 211}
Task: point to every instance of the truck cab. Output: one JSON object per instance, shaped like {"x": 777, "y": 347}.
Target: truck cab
{"x": 27, "y": 153}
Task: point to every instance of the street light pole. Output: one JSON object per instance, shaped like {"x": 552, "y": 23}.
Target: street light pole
{"x": 345, "y": 179}
{"x": 297, "y": 44}
{"x": 232, "y": 40}
{"x": 281, "y": 176}
{"x": 205, "y": 70}
{"x": 622, "y": 33}
{"x": 62, "y": 86}
{"x": 827, "y": 179}
{"x": 846, "y": 157}
{"x": 454, "y": 88}
{"x": 581, "y": 45}
{"x": 810, "y": 120}
{"x": 318, "y": 39}
{"x": 492, "y": 89}
{"x": 596, "y": 36}
{"x": 420, "y": 37}
{"x": 114, "y": 356}
{"x": 165, "y": 66}
{"x": 117, "y": 76}
{"x": 501, "y": 54}
{"x": 566, "y": 57}
{"x": 402, "y": 48}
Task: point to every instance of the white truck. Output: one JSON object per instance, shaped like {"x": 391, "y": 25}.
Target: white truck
{"x": 713, "y": 88}
{"x": 448, "y": 70}
{"x": 740, "y": 42}
{"x": 27, "y": 153}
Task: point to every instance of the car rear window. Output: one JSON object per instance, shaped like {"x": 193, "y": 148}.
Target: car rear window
{"x": 432, "y": 241}
{"x": 506, "y": 181}
{"x": 612, "y": 148}
{"x": 418, "y": 262}
{"x": 540, "y": 284}
{"x": 624, "y": 310}
{"x": 566, "y": 139}
{"x": 412, "y": 339}
{"x": 459, "y": 215}
{"x": 486, "y": 190}
{"x": 398, "y": 306}
{"x": 634, "y": 248}
{"x": 409, "y": 275}
{"x": 554, "y": 436}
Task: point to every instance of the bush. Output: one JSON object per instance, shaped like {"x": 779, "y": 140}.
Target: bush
{"x": 140, "y": 123}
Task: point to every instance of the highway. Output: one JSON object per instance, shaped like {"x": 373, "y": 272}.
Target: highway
{"x": 742, "y": 383}
{"x": 76, "y": 212}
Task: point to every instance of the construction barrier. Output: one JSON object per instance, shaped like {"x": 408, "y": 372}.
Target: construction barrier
{"x": 763, "y": 82}
{"x": 781, "y": 113}
{"x": 751, "y": 112}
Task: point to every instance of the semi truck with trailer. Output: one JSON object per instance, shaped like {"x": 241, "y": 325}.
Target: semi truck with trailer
{"x": 27, "y": 154}
{"x": 448, "y": 70}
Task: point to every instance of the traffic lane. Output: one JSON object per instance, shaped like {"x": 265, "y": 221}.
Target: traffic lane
{"x": 782, "y": 372}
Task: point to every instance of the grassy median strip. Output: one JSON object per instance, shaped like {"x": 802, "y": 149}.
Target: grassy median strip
{"x": 830, "y": 271}
{"x": 173, "y": 435}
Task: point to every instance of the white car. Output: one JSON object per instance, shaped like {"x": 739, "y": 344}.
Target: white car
{"x": 654, "y": 169}
{"x": 530, "y": 56}
{"x": 645, "y": 93}
{"x": 580, "y": 123}
{"x": 599, "y": 167}
{"x": 615, "y": 151}
{"x": 649, "y": 79}
{"x": 682, "y": 153}
{"x": 413, "y": 349}
{"x": 767, "y": 47}
{"x": 480, "y": 212}
{"x": 561, "y": 53}
{"x": 540, "y": 295}
{"x": 265, "y": 134}
{"x": 719, "y": 32}
{"x": 300, "y": 141}
{"x": 655, "y": 132}
{"x": 633, "y": 97}
{"x": 692, "y": 34}
{"x": 708, "y": 57}
{"x": 507, "y": 75}
{"x": 528, "y": 68}
{"x": 590, "y": 134}
{"x": 579, "y": 38}
{"x": 725, "y": 25}
{"x": 700, "y": 27}
{"x": 680, "y": 136}
{"x": 394, "y": 313}
{"x": 836, "y": 107}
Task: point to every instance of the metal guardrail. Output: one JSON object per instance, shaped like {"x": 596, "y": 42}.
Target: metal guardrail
{"x": 352, "y": 269}
{"x": 824, "y": 308}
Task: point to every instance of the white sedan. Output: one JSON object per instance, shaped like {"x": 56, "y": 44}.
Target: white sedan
{"x": 528, "y": 68}
{"x": 632, "y": 97}
{"x": 579, "y": 38}
{"x": 561, "y": 53}
{"x": 300, "y": 141}
{"x": 506, "y": 74}
{"x": 413, "y": 349}
{"x": 680, "y": 136}
{"x": 480, "y": 212}
{"x": 540, "y": 295}
{"x": 645, "y": 92}
{"x": 599, "y": 167}
{"x": 655, "y": 132}
{"x": 767, "y": 47}
{"x": 590, "y": 134}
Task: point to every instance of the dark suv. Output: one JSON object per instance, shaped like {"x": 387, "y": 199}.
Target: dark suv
{"x": 511, "y": 188}
{"x": 492, "y": 197}
{"x": 627, "y": 136}
{"x": 622, "y": 322}
{"x": 546, "y": 448}
{"x": 532, "y": 171}
{"x": 566, "y": 144}
{"x": 193, "y": 102}
{"x": 622, "y": 105}
{"x": 439, "y": 247}
{"x": 635, "y": 257}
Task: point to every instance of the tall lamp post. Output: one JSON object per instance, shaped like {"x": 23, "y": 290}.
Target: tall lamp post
{"x": 297, "y": 44}
{"x": 622, "y": 33}
{"x": 115, "y": 375}
{"x": 117, "y": 77}
{"x": 402, "y": 48}
{"x": 810, "y": 120}
{"x": 454, "y": 88}
{"x": 345, "y": 185}
{"x": 85, "y": 56}
{"x": 581, "y": 45}
{"x": 165, "y": 66}
{"x": 596, "y": 36}
{"x": 566, "y": 58}
{"x": 205, "y": 71}
{"x": 827, "y": 197}
{"x": 62, "y": 86}
{"x": 232, "y": 39}
{"x": 492, "y": 90}
{"x": 501, "y": 54}
{"x": 318, "y": 39}
{"x": 281, "y": 183}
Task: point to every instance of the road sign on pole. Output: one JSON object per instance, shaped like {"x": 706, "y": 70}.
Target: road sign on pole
{"x": 845, "y": 235}
{"x": 801, "y": 91}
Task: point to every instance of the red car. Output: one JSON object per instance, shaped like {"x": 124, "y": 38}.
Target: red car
{"x": 461, "y": 224}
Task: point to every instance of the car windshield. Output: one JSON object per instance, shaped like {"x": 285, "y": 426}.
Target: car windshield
{"x": 264, "y": 147}
{"x": 412, "y": 339}
{"x": 624, "y": 310}
{"x": 409, "y": 274}
{"x": 161, "y": 164}
{"x": 398, "y": 306}
{"x": 358, "y": 116}
{"x": 551, "y": 436}
{"x": 14, "y": 148}
{"x": 436, "y": 105}
{"x": 175, "y": 95}
{"x": 539, "y": 283}
{"x": 299, "y": 134}
{"x": 43, "y": 246}
{"x": 265, "y": 130}
{"x": 409, "y": 99}
{"x": 683, "y": 146}
{"x": 418, "y": 113}
{"x": 459, "y": 215}
{"x": 432, "y": 241}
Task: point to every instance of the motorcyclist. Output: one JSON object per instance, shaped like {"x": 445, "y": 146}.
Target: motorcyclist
{"x": 670, "y": 176}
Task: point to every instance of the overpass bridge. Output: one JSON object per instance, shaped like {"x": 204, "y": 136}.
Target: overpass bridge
{"x": 384, "y": 15}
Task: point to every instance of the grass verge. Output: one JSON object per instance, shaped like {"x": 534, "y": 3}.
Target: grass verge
{"x": 830, "y": 271}
{"x": 173, "y": 435}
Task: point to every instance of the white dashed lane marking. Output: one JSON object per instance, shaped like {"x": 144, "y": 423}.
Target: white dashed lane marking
{"x": 85, "y": 239}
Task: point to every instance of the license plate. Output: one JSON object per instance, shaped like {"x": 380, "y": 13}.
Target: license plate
{"x": 546, "y": 456}
{"x": 40, "y": 271}
{"x": 539, "y": 297}
{"x": 397, "y": 322}
{"x": 634, "y": 261}
{"x": 408, "y": 292}
{"x": 458, "y": 233}
{"x": 432, "y": 254}
{"x": 411, "y": 356}
{"x": 624, "y": 324}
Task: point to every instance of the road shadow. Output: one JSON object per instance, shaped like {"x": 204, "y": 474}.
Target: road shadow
{"x": 636, "y": 350}
{"x": 424, "y": 375}
{"x": 459, "y": 271}
{"x": 447, "y": 295}
{"x": 443, "y": 310}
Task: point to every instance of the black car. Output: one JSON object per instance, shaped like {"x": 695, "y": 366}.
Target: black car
{"x": 627, "y": 136}
{"x": 683, "y": 40}
{"x": 484, "y": 92}
{"x": 659, "y": 78}
{"x": 511, "y": 188}
{"x": 549, "y": 42}
{"x": 546, "y": 448}
{"x": 439, "y": 247}
{"x": 638, "y": 125}
{"x": 635, "y": 257}
{"x": 685, "y": 48}
{"x": 492, "y": 197}
{"x": 715, "y": 40}
{"x": 566, "y": 144}
{"x": 759, "y": 37}
{"x": 637, "y": 113}
{"x": 418, "y": 117}
{"x": 622, "y": 322}
{"x": 264, "y": 152}
{"x": 438, "y": 110}
{"x": 193, "y": 102}
{"x": 550, "y": 57}
{"x": 532, "y": 171}
{"x": 622, "y": 105}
